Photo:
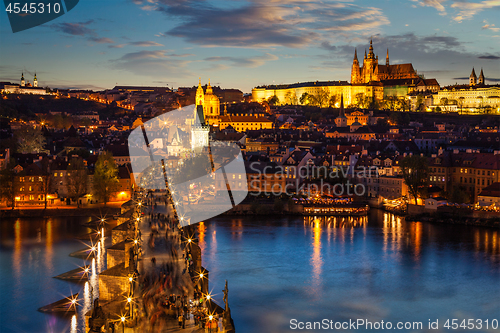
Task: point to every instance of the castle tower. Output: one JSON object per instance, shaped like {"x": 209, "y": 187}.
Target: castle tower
{"x": 200, "y": 96}
{"x": 480, "y": 79}
{"x": 355, "y": 70}
{"x": 387, "y": 58}
{"x": 23, "y": 83}
{"x": 35, "y": 82}
{"x": 472, "y": 78}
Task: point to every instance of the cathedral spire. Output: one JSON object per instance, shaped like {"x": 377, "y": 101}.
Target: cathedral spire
{"x": 355, "y": 55}
{"x": 480, "y": 79}
{"x": 365, "y": 53}
{"x": 473, "y": 78}
{"x": 370, "y": 50}
{"x": 342, "y": 105}
{"x": 387, "y": 58}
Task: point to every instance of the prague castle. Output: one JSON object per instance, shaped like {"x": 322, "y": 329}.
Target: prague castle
{"x": 371, "y": 70}
{"x": 370, "y": 80}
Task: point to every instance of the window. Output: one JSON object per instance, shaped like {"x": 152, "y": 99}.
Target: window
{"x": 55, "y": 174}
{"x": 30, "y": 188}
{"x": 32, "y": 197}
{"x": 40, "y": 179}
{"x": 61, "y": 174}
{"x": 21, "y": 179}
{"x": 21, "y": 189}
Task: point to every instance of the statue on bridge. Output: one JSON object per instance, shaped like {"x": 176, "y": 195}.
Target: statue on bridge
{"x": 226, "y": 319}
{"x": 98, "y": 319}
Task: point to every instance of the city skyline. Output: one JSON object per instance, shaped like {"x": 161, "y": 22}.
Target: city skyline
{"x": 249, "y": 43}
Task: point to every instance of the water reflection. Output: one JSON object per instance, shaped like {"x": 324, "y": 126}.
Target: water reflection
{"x": 339, "y": 221}
{"x": 94, "y": 281}
{"x": 393, "y": 234}
{"x": 16, "y": 255}
{"x": 237, "y": 229}
{"x": 49, "y": 252}
{"x": 213, "y": 245}
{"x": 201, "y": 236}
{"x": 73, "y": 324}
{"x": 86, "y": 306}
{"x": 487, "y": 242}
{"x": 316, "y": 261}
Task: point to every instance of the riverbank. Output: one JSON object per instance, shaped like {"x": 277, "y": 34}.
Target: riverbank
{"x": 445, "y": 218}
{"x": 60, "y": 212}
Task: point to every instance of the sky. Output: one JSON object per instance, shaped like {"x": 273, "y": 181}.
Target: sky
{"x": 243, "y": 44}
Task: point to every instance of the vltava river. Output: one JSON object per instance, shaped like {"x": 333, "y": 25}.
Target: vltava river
{"x": 375, "y": 268}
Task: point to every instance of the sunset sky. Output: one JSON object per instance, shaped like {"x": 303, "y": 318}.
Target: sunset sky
{"x": 242, "y": 44}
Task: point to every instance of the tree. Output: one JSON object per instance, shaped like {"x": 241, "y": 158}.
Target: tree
{"x": 419, "y": 104}
{"x": 460, "y": 101}
{"x": 8, "y": 184}
{"x": 415, "y": 170}
{"x": 459, "y": 195}
{"x": 362, "y": 101}
{"x": 332, "y": 101}
{"x": 322, "y": 97}
{"x": 404, "y": 104}
{"x": 390, "y": 102}
{"x": 47, "y": 180}
{"x": 30, "y": 140}
{"x": 105, "y": 176}
{"x": 304, "y": 98}
{"x": 76, "y": 179}
{"x": 395, "y": 118}
{"x": 274, "y": 100}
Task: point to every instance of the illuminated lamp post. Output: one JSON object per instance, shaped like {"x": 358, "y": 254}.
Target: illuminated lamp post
{"x": 123, "y": 323}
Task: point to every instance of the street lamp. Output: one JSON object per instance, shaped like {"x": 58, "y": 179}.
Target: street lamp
{"x": 123, "y": 323}
{"x": 130, "y": 305}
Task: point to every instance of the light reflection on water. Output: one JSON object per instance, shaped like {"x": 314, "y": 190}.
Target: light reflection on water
{"x": 378, "y": 267}
{"x": 32, "y": 251}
